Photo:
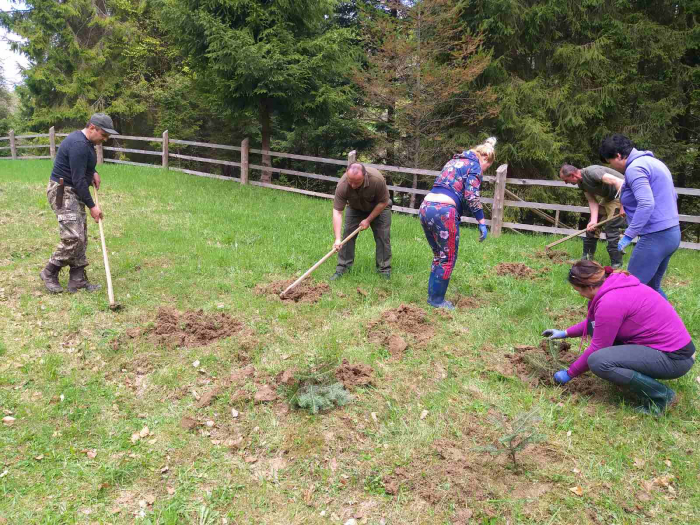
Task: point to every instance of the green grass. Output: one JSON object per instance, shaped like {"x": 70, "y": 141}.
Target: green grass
{"x": 191, "y": 243}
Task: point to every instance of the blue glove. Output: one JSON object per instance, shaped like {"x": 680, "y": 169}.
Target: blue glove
{"x": 484, "y": 232}
{"x": 624, "y": 243}
{"x": 561, "y": 377}
{"x": 553, "y": 333}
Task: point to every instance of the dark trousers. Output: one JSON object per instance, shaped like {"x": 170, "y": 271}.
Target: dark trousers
{"x": 617, "y": 363}
{"x": 612, "y": 232}
{"x": 381, "y": 228}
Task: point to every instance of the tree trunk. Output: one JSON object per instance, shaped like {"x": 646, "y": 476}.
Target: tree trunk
{"x": 266, "y": 129}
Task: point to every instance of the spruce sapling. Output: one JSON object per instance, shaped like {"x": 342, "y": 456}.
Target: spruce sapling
{"x": 522, "y": 433}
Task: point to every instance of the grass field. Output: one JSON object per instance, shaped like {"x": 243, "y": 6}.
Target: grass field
{"x": 115, "y": 423}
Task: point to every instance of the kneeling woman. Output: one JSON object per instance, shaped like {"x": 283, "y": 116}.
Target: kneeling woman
{"x": 637, "y": 336}
{"x": 458, "y": 186}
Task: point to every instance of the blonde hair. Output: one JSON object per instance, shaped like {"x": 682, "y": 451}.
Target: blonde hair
{"x": 487, "y": 150}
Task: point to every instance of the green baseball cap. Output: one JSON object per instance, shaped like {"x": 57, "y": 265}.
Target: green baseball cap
{"x": 104, "y": 122}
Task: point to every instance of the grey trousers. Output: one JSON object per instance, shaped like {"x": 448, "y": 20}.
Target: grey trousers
{"x": 381, "y": 228}
{"x": 617, "y": 363}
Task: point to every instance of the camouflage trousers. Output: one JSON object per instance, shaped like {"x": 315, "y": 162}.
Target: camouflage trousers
{"x": 72, "y": 227}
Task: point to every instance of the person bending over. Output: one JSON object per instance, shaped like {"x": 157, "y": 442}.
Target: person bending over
{"x": 458, "y": 187}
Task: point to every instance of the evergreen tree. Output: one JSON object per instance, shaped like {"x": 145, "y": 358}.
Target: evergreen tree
{"x": 6, "y": 107}
{"x": 87, "y": 56}
{"x": 419, "y": 80}
{"x": 568, "y": 73}
{"x": 282, "y": 58}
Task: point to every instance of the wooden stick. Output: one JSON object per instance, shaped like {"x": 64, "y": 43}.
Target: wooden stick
{"x": 319, "y": 263}
{"x": 110, "y": 291}
{"x": 579, "y": 232}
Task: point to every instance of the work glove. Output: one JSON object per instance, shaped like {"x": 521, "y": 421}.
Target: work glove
{"x": 553, "y": 333}
{"x": 561, "y": 377}
{"x": 624, "y": 243}
{"x": 484, "y": 232}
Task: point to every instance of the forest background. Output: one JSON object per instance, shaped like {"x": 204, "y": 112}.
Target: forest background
{"x": 405, "y": 83}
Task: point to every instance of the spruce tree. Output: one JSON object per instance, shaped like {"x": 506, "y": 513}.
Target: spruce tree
{"x": 282, "y": 58}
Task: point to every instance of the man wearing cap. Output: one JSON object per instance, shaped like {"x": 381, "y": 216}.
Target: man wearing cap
{"x": 363, "y": 190}
{"x": 68, "y": 193}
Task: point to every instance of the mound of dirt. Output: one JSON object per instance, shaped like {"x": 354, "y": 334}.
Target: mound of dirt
{"x": 353, "y": 375}
{"x": 518, "y": 270}
{"x": 466, "y": 302}
{"x": 556, "y": 256}
{"x": 190, "y": 328}
{"x": 536, "y": 365}
{"x": 304, "y": 292}
{"x": 397, "y": 325}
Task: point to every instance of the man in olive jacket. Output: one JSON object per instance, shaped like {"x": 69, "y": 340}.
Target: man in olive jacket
{"x": 599, "y": 182}
{"x": 363, "y": 190}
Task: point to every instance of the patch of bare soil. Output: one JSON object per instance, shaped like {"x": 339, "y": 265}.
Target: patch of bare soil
{"x": 354, "y": 375}
{"x": 453, "y": 473}
{"x": 399, "y": 328}
{"x": 191, "y": 328}
{"x": 556, "y": 256}
{"x": 466, "y": 302}
{"x": 304, "y": 292}
{"x": 536, "y": 365}
{"x": 519, "y": 270}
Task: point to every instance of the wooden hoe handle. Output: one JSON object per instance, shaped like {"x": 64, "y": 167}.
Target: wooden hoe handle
{"x": 319, "y": 263}
{"x": 580, "y": 232}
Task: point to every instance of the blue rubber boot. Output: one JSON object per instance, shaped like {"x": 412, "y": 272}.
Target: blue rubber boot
{"x": 437, "y": 288}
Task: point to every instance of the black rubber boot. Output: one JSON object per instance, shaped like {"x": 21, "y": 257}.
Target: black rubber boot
{"x": 50, "y": 277}
{"x": 589, "y": 246}
{"x": 656, "y": 397}
{"x": 78, "y": 280}
{"x": 615, "y": 258}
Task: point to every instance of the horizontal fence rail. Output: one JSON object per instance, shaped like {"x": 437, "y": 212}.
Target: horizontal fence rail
{"x": 502, "y": 196}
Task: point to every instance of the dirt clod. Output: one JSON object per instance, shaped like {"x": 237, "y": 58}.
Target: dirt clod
{"x": 406, "y": 323}
{"x": 188, "y": 423}
{"x": 556, "y": 256}
{"x": 285, "y": 377}
{"x": 518, "y": 270}
{"x": 208, "y": 397}
{"x": 397, "y": 345}
{"x": 353, "y": 375}
{"x": 304, "y": 292}
{"x": 466, "y": 302}
{"x": 191, "y": 328}
{"x": 265, "y": 394}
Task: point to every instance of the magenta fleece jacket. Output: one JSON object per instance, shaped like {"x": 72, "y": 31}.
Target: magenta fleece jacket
{"x": 631, "y": 313}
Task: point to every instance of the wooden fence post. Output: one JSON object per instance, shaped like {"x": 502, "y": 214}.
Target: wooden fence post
{"x": 166, "y": 149}
{"x": 352, "y": 157}
{"x": 100, "y": 154}
{"x": 244, "y": 160}
{"x": 52, "y": 142}
{"x": 498, "y": 197}
{"x": 13, "y": 145}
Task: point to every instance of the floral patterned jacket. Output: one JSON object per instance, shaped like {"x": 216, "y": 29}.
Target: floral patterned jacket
{"x": 462, "y": 175}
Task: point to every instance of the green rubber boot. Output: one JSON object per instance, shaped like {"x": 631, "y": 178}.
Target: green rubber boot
{"x": 656, "y": 397}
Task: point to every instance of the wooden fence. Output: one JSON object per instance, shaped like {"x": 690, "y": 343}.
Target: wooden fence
{"x": 502, "y": 196}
